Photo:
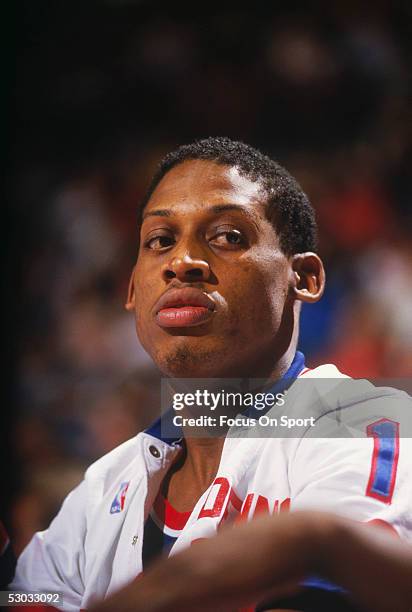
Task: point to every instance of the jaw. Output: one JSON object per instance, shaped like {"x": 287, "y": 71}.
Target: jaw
{"x": 190, "y": 357}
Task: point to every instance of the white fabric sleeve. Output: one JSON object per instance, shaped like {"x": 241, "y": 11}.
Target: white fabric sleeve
{"x": 334, "y": 475}
{"x": 54, "y": 560}
{"x": 357, "y": 459}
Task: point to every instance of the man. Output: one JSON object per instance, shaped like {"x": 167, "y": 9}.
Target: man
{"x": 226, "y": 258}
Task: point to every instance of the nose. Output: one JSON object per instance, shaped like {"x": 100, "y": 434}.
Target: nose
{"x": 186, "y": 269}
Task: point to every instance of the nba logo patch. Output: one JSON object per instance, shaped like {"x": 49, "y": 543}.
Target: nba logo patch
{"x": 120, "y": 498}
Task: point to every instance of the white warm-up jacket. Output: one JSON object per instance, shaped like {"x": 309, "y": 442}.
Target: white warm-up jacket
{"x": 94, "y": 545}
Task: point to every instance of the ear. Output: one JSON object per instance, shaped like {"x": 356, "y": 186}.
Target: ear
{"x": 131, "y": 297}
{"x": 308, "y": 277}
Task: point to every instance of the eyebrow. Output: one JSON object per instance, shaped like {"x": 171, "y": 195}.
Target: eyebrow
{"x": 157, "y": 213}
{"x": 218, "y": 208}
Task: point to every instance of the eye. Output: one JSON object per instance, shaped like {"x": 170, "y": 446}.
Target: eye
{"x": 229, "y": 238}
{"x": 159, "y": 242}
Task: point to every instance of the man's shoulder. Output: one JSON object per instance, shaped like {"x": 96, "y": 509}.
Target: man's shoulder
{"x": 329, "y": 377}
{"x": 327, "y": 370}
{"x": 327, "y": 391}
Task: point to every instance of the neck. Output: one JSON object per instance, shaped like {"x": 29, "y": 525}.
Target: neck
{"x": 193, "y": 472}
{"x": 271, "y": 372}
{"x": 276, "y": 357}
{"x": 266, "y": 367}
{"x": 203, "y": 458}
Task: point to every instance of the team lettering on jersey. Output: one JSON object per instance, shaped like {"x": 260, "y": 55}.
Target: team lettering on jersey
{"x": 223, "y": 502}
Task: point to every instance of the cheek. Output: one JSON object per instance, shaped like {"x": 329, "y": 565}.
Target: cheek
{"x": 144, "y": 292}
{"x": 259, "y": 295}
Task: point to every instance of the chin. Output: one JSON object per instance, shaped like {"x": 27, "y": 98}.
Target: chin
{"x": 190, "y": 357}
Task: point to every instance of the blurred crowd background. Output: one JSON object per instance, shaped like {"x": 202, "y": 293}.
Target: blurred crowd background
{"x": 102, "y": 91}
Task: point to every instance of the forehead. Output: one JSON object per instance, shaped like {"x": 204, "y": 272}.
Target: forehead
{"x": 200, "y": 182}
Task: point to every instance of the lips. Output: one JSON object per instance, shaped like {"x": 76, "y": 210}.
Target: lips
{"x": 184, "y": 308}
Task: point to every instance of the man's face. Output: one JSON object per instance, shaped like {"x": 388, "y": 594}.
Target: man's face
{"x": 211, "y": 282}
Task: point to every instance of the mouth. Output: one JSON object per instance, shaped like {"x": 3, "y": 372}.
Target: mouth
{"x": 185, "y": 307}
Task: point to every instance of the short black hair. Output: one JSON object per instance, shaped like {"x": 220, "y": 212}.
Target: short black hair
{"x": 288, "y": 207}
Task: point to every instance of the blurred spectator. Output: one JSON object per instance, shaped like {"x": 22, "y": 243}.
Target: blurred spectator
{"x": 130, "y": 407}
{"x": 40, "y": 500}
